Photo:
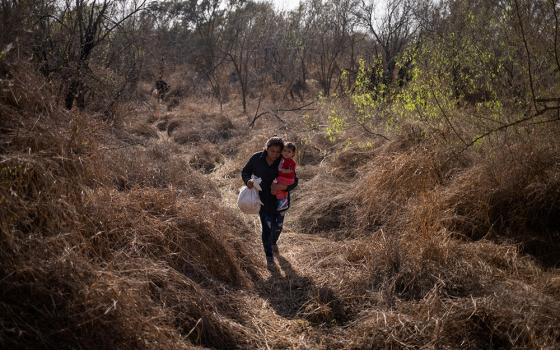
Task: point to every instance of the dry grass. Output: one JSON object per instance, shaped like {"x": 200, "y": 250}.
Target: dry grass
{"x": 87, "y": 265}
{"x": 367, "y": 189}
{"x": 520, "y": 192}
{"x": 189, "y": 129}
{"x": 507, "y": 195}
{"x": 116, "y": 239}
{"x": 156, "y": 224}
{"x": 157, "y": 166}
{"x": 330, "y": 208}
{"x": 408, "y": 281}
{"x": 474, "y": 324}
{"x": 206, "y": 158}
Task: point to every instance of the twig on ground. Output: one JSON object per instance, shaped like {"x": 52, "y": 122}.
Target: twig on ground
{"x": 192, "y": 330}
{"x": 274, "y": 112}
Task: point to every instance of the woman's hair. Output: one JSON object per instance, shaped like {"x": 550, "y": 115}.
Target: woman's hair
{"x": 274, "y": 141}
{"x": 290, "y": 146}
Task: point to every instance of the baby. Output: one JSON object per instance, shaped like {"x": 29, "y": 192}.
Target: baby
{"x": 286, "y": 174}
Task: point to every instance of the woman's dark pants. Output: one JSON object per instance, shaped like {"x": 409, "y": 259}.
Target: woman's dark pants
{"x": 271, "y": 229}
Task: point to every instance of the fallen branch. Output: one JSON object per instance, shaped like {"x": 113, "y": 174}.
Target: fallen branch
{"x": 373, "y": 133}
{"x": 301, "y": 108}
{"x": 276, "y": 111}
{"x": 252, "y": 124}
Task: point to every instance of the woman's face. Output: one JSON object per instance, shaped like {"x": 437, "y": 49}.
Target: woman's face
{"x": 274, "y": 152}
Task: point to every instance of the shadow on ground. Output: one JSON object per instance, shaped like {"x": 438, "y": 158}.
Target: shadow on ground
{"x": 294, "y": 296}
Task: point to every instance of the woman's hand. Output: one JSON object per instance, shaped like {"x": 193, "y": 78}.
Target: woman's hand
{"x": 250, "y": 184}
{"x": 277, "y": 187}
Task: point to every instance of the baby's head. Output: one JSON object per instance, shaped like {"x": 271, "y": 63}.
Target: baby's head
{"x": 289, "y": 150}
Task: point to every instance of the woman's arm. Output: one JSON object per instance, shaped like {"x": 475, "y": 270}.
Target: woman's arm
{"x": 247, "y": 171}
{"x": 278, "y": 187}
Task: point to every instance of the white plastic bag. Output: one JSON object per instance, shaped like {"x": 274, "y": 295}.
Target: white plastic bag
{"x": 248, "y": 200}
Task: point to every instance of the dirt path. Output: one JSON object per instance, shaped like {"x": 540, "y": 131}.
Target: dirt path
{"x": 288, "y": 306}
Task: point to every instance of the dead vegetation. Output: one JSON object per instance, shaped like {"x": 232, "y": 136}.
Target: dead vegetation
{"x": 191, "y": 129}
{"x": 88, "y": 261}
{"x": 453, "y": 250}
{"x": 110, "y": 243}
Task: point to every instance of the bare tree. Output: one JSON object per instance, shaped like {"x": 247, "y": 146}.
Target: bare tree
{"x": 332, "y": 24}
{"x": 68, "y": 33}
{"x": 246, "y": 31}
{"x": 94, "y": 22}
{"x": 392, "y": 27}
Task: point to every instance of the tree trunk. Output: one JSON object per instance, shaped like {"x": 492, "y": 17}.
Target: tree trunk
{"x": 72, "y": 93}
{"x": 244, "y": 95}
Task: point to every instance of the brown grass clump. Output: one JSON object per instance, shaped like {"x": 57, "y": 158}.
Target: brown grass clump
{"x": 379, "y": 196}
{"x": 515, "y": 192}
{"x": 70, "y": 303}
{"x": 46, "y": 160}
{"x": 157, "y": 166}
{"x": 156, "y": 224}
{"x": 513, "y": 195}
{"x": 392, "y": 182}
{"x": 200, "y": 128}
{"x": 425, "y": 290}
{"x": 329, "y": 209}
{"x": 346, "y": 163}
{"x": 145, "y": 130}
{"x": 480, "y": 323}
{"x": 206, "y": 158}
{"x": 129, "y": 303}
{"x": 86, "y": 266}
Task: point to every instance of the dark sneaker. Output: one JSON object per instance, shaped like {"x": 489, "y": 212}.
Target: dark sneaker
{"x": 282, "y": 204}
{"x": 275, "y": 249}
{"x": 269, "y": 261}
{"x": 271, "y": 266}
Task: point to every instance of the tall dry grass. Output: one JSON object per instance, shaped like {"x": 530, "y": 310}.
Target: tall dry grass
{"x": 438, "y": 248}
{"x": 113, "y": 238}
{"x": 106, "y": 249}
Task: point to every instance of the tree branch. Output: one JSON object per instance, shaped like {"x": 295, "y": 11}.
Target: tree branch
{"x": 519, "y": 121}
{"x": 366, "y": 129}
{"x": 275, "y": 112}
{"x": 446, "y": 117}
{"x": 526, "y": 45}
{"x": 553, "y": 2}
{"x": 252, "y": 124}
{"x": 301, "y": 108}
{"x": 134, "y": 11}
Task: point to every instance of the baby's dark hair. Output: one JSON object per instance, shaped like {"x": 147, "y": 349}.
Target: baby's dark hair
{"x": 290, "y": 146}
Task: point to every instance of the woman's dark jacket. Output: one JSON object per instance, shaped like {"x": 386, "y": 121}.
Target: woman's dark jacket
{"x": 258, "y": 166}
